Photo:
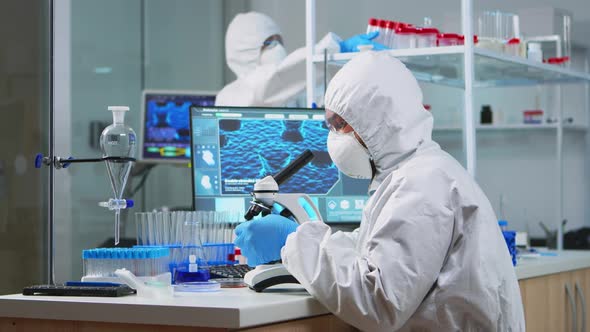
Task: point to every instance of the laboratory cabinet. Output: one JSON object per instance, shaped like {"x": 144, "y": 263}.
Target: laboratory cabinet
{"x": 557, "y": 302}
{"x": 325, "y": 323}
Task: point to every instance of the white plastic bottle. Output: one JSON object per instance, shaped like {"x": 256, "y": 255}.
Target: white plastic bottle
{"x": 534, "y": 52}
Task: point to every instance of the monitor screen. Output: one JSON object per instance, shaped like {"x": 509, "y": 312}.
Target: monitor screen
{"x": 165, "y": 125}
{"x": 235, "y": 146}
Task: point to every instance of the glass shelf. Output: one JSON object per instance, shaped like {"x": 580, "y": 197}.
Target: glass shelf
{"x": 567, "y": 127}
{"x": 444, "y": 65}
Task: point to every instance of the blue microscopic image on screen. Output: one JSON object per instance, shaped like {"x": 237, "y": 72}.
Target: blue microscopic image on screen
{"x": 166, "y": 132}
{"x": 252, "y": 149}
{"x": 167, "y": 122}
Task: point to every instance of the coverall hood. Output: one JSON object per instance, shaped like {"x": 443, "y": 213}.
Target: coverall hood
{"x": 382, "y": 101}
{"x": 243, "y": 40}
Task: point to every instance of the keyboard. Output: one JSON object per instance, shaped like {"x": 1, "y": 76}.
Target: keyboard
{"x": 62, "y": 290}
{"x": 229, "y": 271}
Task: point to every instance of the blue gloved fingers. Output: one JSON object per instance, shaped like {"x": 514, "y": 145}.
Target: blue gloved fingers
{"x": 241, "y": 227}
{"x": 243, "y": 236}
{"x": 371, "y": 35}
{"x": 379, "y": 47}
{"x": 261, "y": 240}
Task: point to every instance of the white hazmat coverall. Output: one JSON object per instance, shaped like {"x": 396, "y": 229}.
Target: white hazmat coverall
{"x": 429, "y": 254}
{"x": 275, "y": 84}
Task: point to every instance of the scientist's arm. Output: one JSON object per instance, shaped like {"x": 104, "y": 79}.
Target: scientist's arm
{"x": 380, "y": 286}
{"x": 282, "y": 83}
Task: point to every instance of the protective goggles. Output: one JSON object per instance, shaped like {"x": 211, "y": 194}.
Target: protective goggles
{"x": 336, "y": 123}
{"x": 271, "y": 42}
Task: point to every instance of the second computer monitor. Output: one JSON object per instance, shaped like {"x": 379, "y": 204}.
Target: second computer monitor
{"x": 165, "y": 134}
{"x": 234, "y": 146}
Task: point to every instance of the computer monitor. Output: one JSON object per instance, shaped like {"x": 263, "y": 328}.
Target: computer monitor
{"x": 235, "y": 146}
{"x": 165, "y": 132}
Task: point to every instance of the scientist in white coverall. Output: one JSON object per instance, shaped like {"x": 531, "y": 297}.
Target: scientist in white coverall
{"x": 266, "y": 74}
{"x": 429, "y": 254}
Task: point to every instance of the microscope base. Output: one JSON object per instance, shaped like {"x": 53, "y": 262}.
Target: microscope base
{"x": 264, "y": 276}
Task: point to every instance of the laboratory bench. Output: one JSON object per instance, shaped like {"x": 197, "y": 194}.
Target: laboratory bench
{"x": 553, "y": 289}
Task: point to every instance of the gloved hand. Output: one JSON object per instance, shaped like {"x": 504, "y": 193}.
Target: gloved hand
{"x": 261, "y": 239}
{"x": 350, "y": 45}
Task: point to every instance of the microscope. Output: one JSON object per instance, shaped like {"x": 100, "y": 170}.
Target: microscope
{"x": 266, "y": 199}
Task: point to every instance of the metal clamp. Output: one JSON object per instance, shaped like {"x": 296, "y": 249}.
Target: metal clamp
{"x": 56, "y": 162}
{"x": 59, "y": 162}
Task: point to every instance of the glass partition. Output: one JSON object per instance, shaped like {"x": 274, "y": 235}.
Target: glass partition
{"x": 24, "y": 108}
{"x": 109, "y": 53}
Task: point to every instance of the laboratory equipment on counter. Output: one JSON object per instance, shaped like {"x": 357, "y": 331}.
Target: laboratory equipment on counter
{"x": 229, "y": 271}
{"x": 266, "y": 194}
{"x": 447, "y": 39}
{"x": 405, "y": 37}
{"x": 373, "y": 25}
{"x": 462, "y": 39}
{"x": 426, "y": 37}
{"x": 206, "y": 234}
{"x": 535, "y": 52}
{"x": 196, "y": 287}
{"x": 84, "y": 289}
{"x": 486, "y": 114}
{"x": 299, "y": 207}
{"x": 551, "y": 235}
{"x": 498, "y": 25}
{"x": 533, "y": 117}
{"x": 150, "y": 263}
{"x": 513, "y": 47}
{"x": 118, "y": 140}
{"x": 510, "y": 239}
{"x": 192, "y": 273}
{"x": 149, "y": 289}
{"x": 381, "y": 38}
{"x": 165, "y": 128}
{"x": 117, "y": 143}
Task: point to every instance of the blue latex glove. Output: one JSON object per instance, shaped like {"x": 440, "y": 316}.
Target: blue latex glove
{"x": 261, "y": 239}
{"x": 350, "y": 45}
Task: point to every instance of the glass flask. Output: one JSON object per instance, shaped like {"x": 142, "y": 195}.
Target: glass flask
{"x": 117, "y": 142}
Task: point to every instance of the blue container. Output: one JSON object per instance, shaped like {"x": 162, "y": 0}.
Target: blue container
{"x": 182, "y": 275}
{"x": 510, "y": 238}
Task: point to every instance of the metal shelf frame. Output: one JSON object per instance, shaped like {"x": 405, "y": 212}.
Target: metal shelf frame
{"x": 480, "y": 68}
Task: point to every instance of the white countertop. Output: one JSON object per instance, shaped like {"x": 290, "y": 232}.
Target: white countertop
{"x": 566, "y": 260}
{"x": 228, "y": 308}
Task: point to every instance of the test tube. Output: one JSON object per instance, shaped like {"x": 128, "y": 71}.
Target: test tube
{"x": 150, "y": 229}
{"x": 159, "y": 228}
{"x": 166, "y": 228}
{"x": 138, "y": 227}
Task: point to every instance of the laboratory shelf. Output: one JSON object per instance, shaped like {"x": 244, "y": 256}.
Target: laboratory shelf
{"x": 568, "y": 127}
{"x": 444, "y": 65}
